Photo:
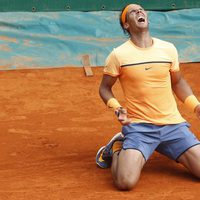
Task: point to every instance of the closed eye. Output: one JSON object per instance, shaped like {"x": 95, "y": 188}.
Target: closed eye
{"x": 136, "y": 10}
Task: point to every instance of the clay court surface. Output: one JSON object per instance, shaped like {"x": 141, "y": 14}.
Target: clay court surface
{"x": 52, "y": 123}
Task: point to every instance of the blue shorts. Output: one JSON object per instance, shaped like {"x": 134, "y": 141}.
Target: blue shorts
{"x": 170, "y": 140}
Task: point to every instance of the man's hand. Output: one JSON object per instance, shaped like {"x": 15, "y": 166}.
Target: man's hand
{"x": 121, "y": 114}
{"x": 197, "y": 111}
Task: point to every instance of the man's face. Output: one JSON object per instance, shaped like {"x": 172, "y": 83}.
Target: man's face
{"x": 136, "y": 18}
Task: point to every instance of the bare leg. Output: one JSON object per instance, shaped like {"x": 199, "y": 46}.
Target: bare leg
{"x": 126, "y": 168}
{"x": 191, "y": 160}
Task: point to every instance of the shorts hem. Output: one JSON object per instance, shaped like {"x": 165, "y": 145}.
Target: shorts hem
{"x": 137, "y": 150}
{"x": 184, "y": 152}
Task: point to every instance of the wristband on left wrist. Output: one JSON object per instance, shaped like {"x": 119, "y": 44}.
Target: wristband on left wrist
{"x": 191, "y": 102}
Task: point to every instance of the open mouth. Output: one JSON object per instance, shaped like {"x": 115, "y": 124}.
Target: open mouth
{"x": 141, "y": 19}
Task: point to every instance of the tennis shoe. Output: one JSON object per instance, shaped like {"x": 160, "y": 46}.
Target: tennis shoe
{"x": 105, "y": 153}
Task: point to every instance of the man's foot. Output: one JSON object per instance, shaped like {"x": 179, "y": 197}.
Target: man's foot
{"x": 105, "y": 153}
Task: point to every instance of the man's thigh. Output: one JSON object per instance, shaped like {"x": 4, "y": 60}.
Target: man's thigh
{"x": 191, "y": 160}
{"x": 130, "y": 164}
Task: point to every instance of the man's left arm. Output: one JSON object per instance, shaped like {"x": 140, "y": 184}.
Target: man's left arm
{"x": 184, "y": 93}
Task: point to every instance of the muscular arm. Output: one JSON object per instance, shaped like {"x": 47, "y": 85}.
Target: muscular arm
{"x": 180, "y": 87}
{"x": 105, "y": 89}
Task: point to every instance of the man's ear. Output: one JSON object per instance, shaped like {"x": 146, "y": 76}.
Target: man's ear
{"x": 126, "y": 26}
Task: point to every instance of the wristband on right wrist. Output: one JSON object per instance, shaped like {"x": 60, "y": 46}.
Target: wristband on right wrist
{"x": 113, "y": 103}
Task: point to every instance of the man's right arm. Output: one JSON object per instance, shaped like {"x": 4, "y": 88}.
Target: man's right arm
{"x": 105, "y": 91}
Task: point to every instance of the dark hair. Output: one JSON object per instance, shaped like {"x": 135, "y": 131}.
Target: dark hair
{"x": 120, "y": 21}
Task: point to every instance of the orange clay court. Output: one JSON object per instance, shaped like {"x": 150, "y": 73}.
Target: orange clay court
{"x": 52, "y": 123}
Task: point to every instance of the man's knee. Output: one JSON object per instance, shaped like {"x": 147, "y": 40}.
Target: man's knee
{"x": 130, "y": 163}
{"x": 126, "y": 182}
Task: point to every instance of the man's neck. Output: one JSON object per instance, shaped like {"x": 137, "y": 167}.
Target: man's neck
{"x": 142, "y": 40}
